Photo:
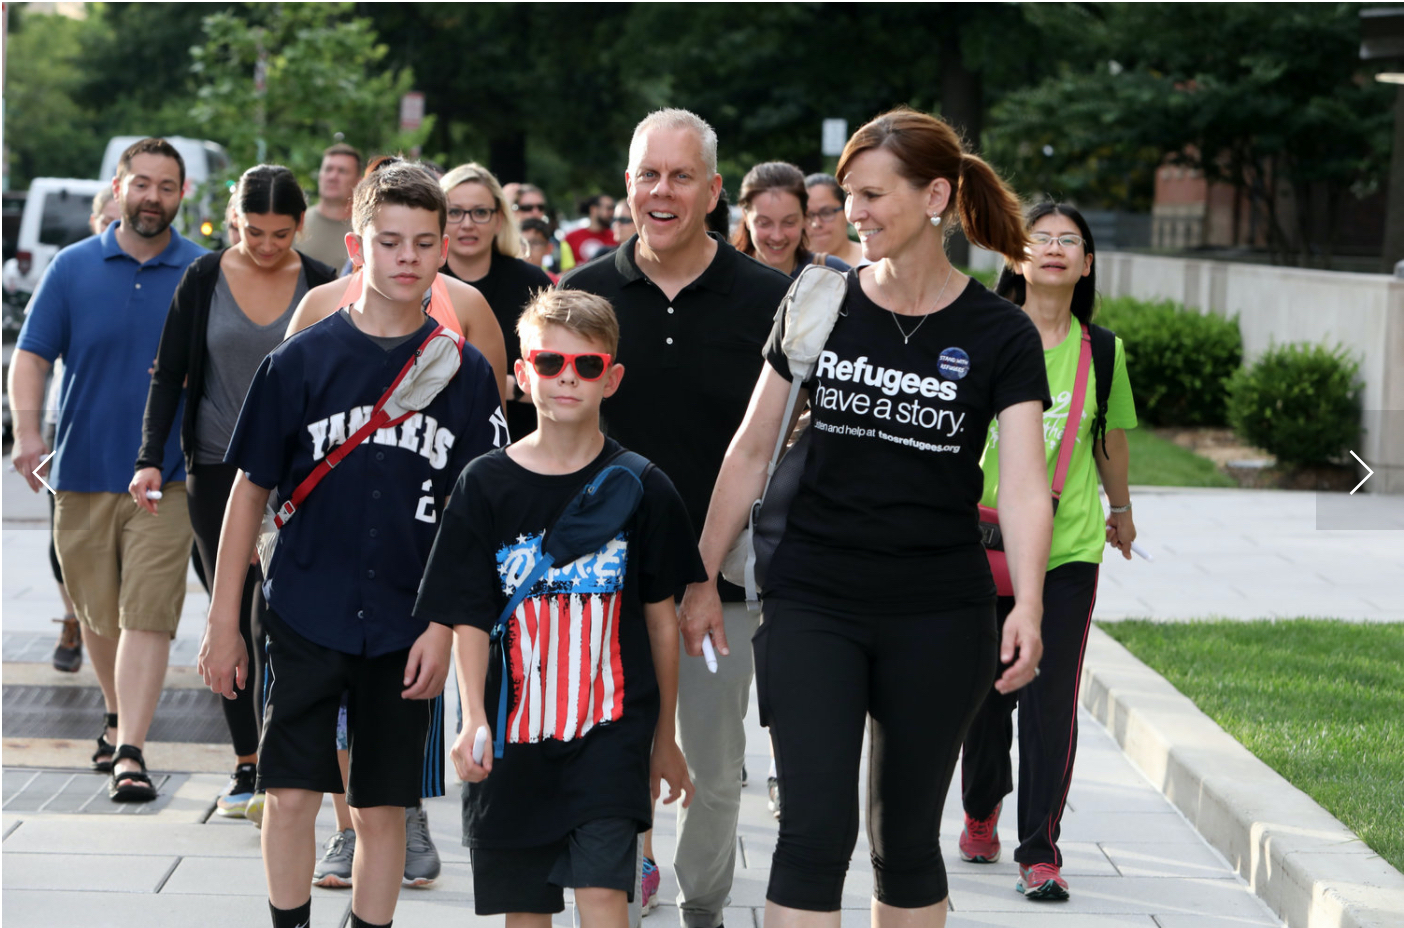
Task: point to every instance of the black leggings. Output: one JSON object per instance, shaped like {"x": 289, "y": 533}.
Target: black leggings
{"x": 207, "y": 491}
{"x": 822, "y": 674}
{"x": 1047, "y": 721}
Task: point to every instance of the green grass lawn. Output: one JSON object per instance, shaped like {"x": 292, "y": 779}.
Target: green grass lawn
{"x": 1161, "y": 463}
{"x": 1321, "y": 702}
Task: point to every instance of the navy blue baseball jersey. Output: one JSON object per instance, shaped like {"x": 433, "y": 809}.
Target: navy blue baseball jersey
{"x": 347, "y": 566}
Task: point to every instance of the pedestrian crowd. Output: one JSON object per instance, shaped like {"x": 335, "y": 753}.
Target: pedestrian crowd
{"x": 411, "y": 436}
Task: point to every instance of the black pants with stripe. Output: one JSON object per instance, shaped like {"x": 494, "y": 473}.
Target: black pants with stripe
{"x": 1047, "y": 721}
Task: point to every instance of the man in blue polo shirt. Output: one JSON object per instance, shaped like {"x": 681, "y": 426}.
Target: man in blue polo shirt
{"x": 101, "y": 306}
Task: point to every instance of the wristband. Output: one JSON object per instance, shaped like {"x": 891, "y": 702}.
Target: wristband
{"x": 1126, "y": 508}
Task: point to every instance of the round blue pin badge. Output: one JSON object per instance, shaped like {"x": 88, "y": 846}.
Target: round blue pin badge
{"x": 954, "y": 363}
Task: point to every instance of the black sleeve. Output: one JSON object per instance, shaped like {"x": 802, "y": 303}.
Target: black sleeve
{"x": 460, "y": 585}
{"x": 172, "y": 366}
{"x": 1020, "y": 372}
{"x": 670, "y": 559}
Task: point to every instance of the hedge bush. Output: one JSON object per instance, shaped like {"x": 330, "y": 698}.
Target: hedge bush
{"x": 1178, "y": 360}
{"x": 1300, "y": 402}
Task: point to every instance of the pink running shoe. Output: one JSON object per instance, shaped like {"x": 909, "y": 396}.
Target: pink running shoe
{"x": 651, "y": 879}
{"x": 979, "y": 842}
{"x": 1042, "y": 882}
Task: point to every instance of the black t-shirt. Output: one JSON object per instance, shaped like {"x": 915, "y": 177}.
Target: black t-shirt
{"x": 886, "y": 510}
{"x": 690, "y": 363}
{"x": 581, "y": 716}
{"x": 508, "y": 286}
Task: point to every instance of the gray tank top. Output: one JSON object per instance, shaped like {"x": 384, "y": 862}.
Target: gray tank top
{"x": 235, "y": 347}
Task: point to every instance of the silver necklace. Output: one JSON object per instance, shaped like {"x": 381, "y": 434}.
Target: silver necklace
{"x": 907, "y": 336}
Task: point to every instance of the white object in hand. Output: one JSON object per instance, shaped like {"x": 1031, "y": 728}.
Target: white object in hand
{"x": 709, "y": 653}
{"x": 1137, "y": 549}
{"x": 479, "y": 744}
{"x": 153, "y": 494}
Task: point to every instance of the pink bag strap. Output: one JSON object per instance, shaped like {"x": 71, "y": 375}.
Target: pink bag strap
{"x": 377, "y": 420}
{"x": 1065, "y": 448}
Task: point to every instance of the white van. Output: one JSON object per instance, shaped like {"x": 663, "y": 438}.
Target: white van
{"x": 55, "y": 216}
{"x": 203, "y": 159}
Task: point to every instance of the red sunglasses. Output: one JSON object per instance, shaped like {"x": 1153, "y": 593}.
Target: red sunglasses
{"x": 588, "y": 365}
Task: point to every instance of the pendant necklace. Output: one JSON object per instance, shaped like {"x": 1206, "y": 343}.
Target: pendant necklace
{"x": 907, "y": 336}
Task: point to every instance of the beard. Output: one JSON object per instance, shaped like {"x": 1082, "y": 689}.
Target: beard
{"x": 146, "y": 226}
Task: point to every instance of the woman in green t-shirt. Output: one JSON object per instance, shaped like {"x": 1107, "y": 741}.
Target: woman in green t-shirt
{"x": 1056, "y": 286}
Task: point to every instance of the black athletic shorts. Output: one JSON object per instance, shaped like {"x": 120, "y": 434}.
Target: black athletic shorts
{"x": 532, "y": 879}
{"x": 385, "y": 732}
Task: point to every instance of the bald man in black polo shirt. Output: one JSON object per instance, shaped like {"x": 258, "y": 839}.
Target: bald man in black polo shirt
{"x": 694, "y": 315}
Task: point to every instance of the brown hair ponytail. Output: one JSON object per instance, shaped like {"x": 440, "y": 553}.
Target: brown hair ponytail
{"x": 989, "y": 210}
{"x": 927, "y": 148}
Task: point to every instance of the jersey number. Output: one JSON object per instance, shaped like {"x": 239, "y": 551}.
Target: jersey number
{"x": 424, "y": 512}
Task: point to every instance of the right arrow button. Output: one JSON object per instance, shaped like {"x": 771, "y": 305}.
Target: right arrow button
{"x": 1369, "y": 472}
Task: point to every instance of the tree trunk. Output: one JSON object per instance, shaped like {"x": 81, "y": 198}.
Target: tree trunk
{"x": 963, "y": 106}
{"x": 507, "y": 157}
{"x": 1394, "y": 204}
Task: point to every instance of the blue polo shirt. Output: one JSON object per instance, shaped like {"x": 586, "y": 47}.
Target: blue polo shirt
{"x": 103, "y": 312}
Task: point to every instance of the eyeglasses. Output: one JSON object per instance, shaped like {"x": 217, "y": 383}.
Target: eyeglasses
{"x": 825, "y": 215}
{"x": 529, "y": 208}
{"x": 1043, "y": 239}
{"x": 623, "y": 220}
{"x": 479, "y": 214}
{"x": 589, "y": 366}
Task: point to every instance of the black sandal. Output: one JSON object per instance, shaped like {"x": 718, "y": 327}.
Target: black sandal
{"x": 131, "y": 785}
{"x": 102, "y": 759}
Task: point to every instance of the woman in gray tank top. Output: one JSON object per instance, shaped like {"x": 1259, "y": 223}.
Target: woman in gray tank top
{"x": 230, "y": 310}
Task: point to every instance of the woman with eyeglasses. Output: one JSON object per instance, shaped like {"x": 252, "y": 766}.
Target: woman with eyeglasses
{"x": 827, "y": 225}
{"x": 485, "y": 248}
{"x": 1056, "y": 284}
{"x": 773, "y": 202}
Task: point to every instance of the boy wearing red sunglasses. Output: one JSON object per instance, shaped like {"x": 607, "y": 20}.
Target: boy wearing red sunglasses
{"x": 591, "y": 653}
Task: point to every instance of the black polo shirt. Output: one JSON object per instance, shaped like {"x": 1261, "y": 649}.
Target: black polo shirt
{"x": 690, "y": 363}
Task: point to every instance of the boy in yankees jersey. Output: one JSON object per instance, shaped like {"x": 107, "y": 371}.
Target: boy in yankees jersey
{"x": 591, "y": 654}
{"x": 343, "y": 577}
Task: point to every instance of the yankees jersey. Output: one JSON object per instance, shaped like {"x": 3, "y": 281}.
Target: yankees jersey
{"x": 583, "y": 698}
{"x": 348, "y": 564}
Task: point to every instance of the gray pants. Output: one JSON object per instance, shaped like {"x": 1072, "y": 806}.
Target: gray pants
{"x": 711, "y": 708}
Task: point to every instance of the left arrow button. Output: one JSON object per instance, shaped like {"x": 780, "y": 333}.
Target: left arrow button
{"x": 41, "y": 467}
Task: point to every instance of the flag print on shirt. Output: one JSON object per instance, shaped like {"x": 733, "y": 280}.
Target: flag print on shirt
{"x": 562, "y": 643}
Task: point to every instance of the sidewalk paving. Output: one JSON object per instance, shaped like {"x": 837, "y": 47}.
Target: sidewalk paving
{"x": 1132, "y": 859}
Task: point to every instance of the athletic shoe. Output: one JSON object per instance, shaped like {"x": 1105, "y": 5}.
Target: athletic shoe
{"x": 651, "y": 879}
{"x": 254, "y": 810}
{"x": 744, "y": 778}
{"x": 334, "y": 869}
{"x": 772, "y": 786}
{"x": 421, "y": 857}
{"x": 68, "y": 656}
{"x": 979, "y": 842}
{"x": 233, "y": 802}
{"x": 1042, "y": 882}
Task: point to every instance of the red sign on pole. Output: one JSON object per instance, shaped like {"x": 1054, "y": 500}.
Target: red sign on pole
{"x": 411, "y": 111}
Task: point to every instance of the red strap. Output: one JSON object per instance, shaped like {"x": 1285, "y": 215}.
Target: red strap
{"x": 1065, "y": 449}
{"x": 379, "y": 419}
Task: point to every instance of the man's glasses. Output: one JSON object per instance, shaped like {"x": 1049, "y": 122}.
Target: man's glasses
{"x": 588, "y": 366}
{"x": 825, "y": 215}
{"x": 479, "y": 214}
{"x": 623, "y": 220}
{"x": 529, "y": 208}
{"x": 1043, "y": 239}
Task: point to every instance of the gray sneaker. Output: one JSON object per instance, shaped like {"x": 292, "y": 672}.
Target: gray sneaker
{"x": 334, "y": 869}
{"x": 421, "y": 857}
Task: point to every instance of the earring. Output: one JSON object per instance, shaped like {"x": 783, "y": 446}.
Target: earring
{"x": 936, "y": 220}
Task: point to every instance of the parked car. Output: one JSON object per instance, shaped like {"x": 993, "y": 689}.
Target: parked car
{"x": 55, "y": 215}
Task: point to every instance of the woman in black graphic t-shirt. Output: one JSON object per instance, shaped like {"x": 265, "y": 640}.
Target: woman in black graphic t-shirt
{"x": 879, "y": 601}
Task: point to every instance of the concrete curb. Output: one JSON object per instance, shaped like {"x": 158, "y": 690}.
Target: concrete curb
{"x": 1311, "y": 870}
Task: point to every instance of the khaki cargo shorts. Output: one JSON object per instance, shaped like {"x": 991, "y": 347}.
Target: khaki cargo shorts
{"x": 123, "y": 567}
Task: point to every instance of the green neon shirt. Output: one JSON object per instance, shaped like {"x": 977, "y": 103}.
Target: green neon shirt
{"x": 1079, "y": 529}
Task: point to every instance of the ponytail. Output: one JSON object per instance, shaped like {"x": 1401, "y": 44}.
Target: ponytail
{"x": 989, "y": 210}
